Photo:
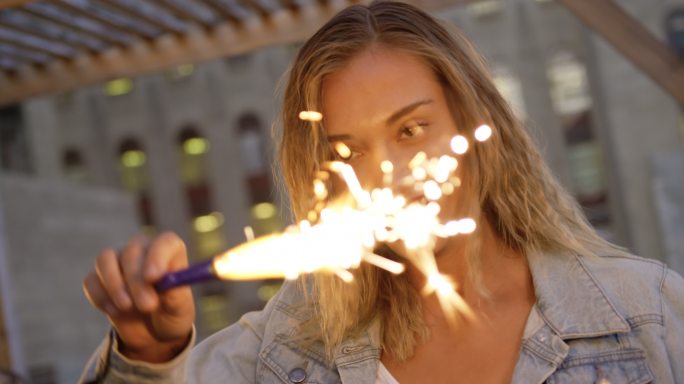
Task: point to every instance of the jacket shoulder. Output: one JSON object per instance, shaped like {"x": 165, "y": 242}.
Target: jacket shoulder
{"x": 632, "y": 283}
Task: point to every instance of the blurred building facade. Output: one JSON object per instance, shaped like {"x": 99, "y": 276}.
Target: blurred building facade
{"x": 192, "y": 147}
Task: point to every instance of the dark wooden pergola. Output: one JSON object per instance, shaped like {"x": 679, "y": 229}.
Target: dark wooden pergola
{"x": 49, "y": 46}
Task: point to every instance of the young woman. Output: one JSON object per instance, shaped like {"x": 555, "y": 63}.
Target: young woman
{"x": 552, "y": 301}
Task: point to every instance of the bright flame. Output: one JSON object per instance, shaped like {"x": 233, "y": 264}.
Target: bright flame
{"x": 342, "y": 233}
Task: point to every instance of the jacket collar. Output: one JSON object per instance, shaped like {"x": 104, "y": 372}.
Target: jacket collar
{"x": 567, "y": 291}
{"x": 357, "y": 358}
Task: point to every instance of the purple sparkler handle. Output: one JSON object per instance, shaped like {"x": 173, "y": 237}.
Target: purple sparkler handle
{"x": 196, "y": 273}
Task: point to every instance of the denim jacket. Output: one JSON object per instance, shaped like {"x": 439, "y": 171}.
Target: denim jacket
{"x": 609, "y": 319}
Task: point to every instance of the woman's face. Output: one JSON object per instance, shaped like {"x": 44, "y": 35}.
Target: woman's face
{"x": 388, "y": 105}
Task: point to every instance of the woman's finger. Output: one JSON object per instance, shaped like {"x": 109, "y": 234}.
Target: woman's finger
{"x": 166, "y": 253}
{"x": 97, "y": 294}
{"x": 132, "y": 260}
{"x": 109, "y": 271}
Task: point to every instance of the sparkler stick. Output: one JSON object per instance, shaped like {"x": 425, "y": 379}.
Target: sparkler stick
{"x": 341, "y": 234}
{"x": 200, "y": 272}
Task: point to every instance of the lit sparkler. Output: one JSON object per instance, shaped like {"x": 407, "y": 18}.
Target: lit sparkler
{"x": 341, "y": 234}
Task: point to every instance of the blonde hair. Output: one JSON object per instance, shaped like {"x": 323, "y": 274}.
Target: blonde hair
{"x": 515, "y": 191}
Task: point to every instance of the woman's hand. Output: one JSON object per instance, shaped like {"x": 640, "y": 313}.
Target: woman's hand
{"x": 151, "y": 326}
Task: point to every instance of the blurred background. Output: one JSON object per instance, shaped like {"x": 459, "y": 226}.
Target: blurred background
{"x": 120, "y": 117}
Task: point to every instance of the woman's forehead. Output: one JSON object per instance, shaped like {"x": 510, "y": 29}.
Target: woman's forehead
{"x": 373, "y": 85}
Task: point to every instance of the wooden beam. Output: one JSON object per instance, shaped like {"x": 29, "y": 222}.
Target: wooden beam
{"x": 99, "y": 19}
{"x": 180, "y": 12}
{"x": 134, "y": 14}
{"x": 23, "y": 55}
{"x": 13, "y": 3}
{"x": 220, "y": 11}
{"x": 32, "y": 47}
{"x": 263, "y": 8}
{"x": 283, "y": 26}
{"x": 168, "y": 51}
{"x": 75, "y": 27}
{"x": 42, "y": 35}
{"x": 629, "y": 37}
{"x": 292, "y": 5}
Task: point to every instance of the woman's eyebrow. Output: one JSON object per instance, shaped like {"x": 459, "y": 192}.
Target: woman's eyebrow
{"x": 406, "y": 110}
{"x": 403, "y": 111}
{"x": 342, "y": 137}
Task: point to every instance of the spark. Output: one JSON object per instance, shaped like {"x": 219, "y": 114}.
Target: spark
{"x": 249, "y": 233}
{"x": 432, "y": 190}
{"x": 387, "y": 168}
{"x": 483, "y": 132}
{"x": 320, "y": 191}
{"x": 419, "y": 173}
{"x": 459, "y": 144}
{"x": 312, "y": 116}
{"x": 343, "y": 150}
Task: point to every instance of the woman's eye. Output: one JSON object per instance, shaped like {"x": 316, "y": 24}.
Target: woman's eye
{"x": 411, "y": 131}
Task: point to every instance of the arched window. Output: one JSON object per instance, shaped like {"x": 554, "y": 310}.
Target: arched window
{"x": 134, "y": 175}
{"x": 572, "y": 102}
{"x": 569, "y": 85}
{"x": 14, "y": 153}
{"x": 74, "y": 166}
{"x": 207, "y": 223}
{"x": 255, "y": 163}
{"x": 253, "y": 157}
{"x": 510, "y": 88}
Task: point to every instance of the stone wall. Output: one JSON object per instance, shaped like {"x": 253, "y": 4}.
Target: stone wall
{"x": 54, "y": 230}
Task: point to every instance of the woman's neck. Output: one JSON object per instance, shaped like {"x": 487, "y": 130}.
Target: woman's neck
{"x": 504, "y": 273}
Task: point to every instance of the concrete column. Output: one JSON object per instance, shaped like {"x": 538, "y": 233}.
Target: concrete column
{"x": 620, "y": 224}
{"x": 530, "y": 65}
{"x": 100, "y": 156}
{"x": 9, "y": 319}
{"x": 168, "y": 201}
{"x": 225, "y": 169}
{"x": 41, "y": 124}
